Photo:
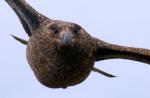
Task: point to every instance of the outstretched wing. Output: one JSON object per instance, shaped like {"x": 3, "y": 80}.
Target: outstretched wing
{"x": 29, "y": 17}
{"x": 20, "y": 40}
{"x": 105, "y": 50}
{"x": 25, "y": 26}
{"x": 103, "y": 73}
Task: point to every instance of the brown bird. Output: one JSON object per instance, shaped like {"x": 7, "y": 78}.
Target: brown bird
{"x": 63, "y": 54}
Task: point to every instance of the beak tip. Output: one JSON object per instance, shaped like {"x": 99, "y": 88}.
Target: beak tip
{"x": 66, "y": 38}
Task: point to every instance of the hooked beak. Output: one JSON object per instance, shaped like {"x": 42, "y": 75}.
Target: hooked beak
{"x": 66, "y": 38}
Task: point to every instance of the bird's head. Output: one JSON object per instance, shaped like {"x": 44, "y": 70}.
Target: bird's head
{"x": 65, "y": 34}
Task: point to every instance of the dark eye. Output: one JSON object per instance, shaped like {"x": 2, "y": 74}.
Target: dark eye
{"x": 76, "y": 28}
{"x": 55, "y": 28}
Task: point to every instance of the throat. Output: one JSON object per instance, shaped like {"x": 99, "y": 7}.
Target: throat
{"x": 71, "y": 55}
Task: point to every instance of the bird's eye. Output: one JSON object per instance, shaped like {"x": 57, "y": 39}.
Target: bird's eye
{"x": 55, "y": 28}
{"x": 76, "y": 28}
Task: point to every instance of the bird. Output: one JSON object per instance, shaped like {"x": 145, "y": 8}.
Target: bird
{"x": 62, "y": 54}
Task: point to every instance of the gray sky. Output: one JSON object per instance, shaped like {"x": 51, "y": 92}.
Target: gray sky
{"x": 122, "y": 22}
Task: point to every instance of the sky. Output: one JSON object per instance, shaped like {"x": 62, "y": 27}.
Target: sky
{"x": 121, "y": 22}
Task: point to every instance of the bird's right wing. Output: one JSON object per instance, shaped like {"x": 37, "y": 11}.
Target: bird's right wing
{"x": 20, "y": 40}
{"x": 28, "y": 16}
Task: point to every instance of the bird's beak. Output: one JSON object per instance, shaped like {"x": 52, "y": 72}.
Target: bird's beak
{"x": 66, "y": 38}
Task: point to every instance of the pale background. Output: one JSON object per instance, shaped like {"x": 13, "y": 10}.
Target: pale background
{"x": 122, "y": 22}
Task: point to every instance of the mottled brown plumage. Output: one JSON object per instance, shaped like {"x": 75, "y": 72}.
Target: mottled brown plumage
{"x": 62, "y": 54}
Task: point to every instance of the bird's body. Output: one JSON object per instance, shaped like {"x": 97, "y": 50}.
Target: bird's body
{"x": 58, "y": 65}
{"x": 63, "y": 54}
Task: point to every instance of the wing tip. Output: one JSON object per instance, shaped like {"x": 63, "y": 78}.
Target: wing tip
{"x": 19, "y": 39}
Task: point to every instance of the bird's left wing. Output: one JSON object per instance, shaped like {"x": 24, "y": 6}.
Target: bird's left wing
{"x": 104, "y": 50}
{"x": 103, "y": 73}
